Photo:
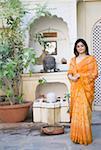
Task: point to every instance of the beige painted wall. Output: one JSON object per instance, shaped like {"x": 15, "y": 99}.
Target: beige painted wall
{"x": 88, "y": 14}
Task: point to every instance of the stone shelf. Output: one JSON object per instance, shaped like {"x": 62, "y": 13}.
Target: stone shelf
{"x": 51, "y": 113}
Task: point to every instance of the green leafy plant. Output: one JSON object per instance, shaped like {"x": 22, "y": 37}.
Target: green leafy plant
{"x": 67, "y": 96}
{"x": 42, "y": 81}
{"x": 41, "y": 10}
{"x": 13, "y": 56}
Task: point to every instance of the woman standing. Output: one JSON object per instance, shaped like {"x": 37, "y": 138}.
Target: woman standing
{"x": 82, "y": 74}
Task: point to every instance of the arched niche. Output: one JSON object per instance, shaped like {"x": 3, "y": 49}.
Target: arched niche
{"x": 51, "y": 24}
{"x": 60, "y": 89}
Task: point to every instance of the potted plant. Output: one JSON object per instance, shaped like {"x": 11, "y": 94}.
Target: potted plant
{"x": 13, "y": 59}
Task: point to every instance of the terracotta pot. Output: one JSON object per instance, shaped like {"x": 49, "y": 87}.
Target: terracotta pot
{"x": 14, "y": 113}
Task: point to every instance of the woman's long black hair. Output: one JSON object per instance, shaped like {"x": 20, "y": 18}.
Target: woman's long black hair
{"x": 86, "y": 46}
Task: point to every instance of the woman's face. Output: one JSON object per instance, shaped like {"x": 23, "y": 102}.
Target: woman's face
{"x": 80, "y": 48}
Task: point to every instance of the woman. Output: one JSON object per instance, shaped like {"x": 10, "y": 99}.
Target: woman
{"x": 82, "y": 74}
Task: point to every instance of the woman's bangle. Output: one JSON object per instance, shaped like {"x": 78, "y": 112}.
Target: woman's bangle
{"x": 70, "y": 76}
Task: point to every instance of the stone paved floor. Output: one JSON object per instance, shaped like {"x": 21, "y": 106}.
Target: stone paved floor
{"x": 27, "y": 136}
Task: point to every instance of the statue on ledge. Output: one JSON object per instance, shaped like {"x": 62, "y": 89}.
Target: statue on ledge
{"x": 49, "y": 63}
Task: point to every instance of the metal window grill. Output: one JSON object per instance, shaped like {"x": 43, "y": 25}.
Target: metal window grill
{"x": 97, "y": 54}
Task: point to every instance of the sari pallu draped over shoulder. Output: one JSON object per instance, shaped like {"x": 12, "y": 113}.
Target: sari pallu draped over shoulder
{"x": 82, "y": 95}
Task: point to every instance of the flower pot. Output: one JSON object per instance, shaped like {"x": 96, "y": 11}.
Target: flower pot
{"x": 14, "y": 113}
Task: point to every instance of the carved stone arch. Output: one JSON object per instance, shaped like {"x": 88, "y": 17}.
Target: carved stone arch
{"x": 56, "y": 16}
{"x": 30, "y": 19}
{"x": 47, "y": 29}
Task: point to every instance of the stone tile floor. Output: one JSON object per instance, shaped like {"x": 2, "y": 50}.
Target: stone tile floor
{"x": 27, "y": 136}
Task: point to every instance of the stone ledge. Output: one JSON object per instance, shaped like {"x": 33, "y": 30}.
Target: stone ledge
{"x": 21, "y": 125}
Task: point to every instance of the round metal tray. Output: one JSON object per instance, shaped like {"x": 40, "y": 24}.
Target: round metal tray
{"x": 52, "y": 130}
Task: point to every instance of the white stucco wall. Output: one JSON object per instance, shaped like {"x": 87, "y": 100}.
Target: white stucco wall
{"x": 65, "y": 9}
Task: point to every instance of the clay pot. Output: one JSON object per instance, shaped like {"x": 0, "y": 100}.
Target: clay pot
{"x": 14, "y": 113}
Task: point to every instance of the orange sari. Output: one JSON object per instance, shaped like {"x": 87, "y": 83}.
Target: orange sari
{"x": 82, "y": 95}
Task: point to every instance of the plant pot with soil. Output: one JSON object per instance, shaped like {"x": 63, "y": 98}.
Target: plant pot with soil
{"x": 14, "y": 58}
